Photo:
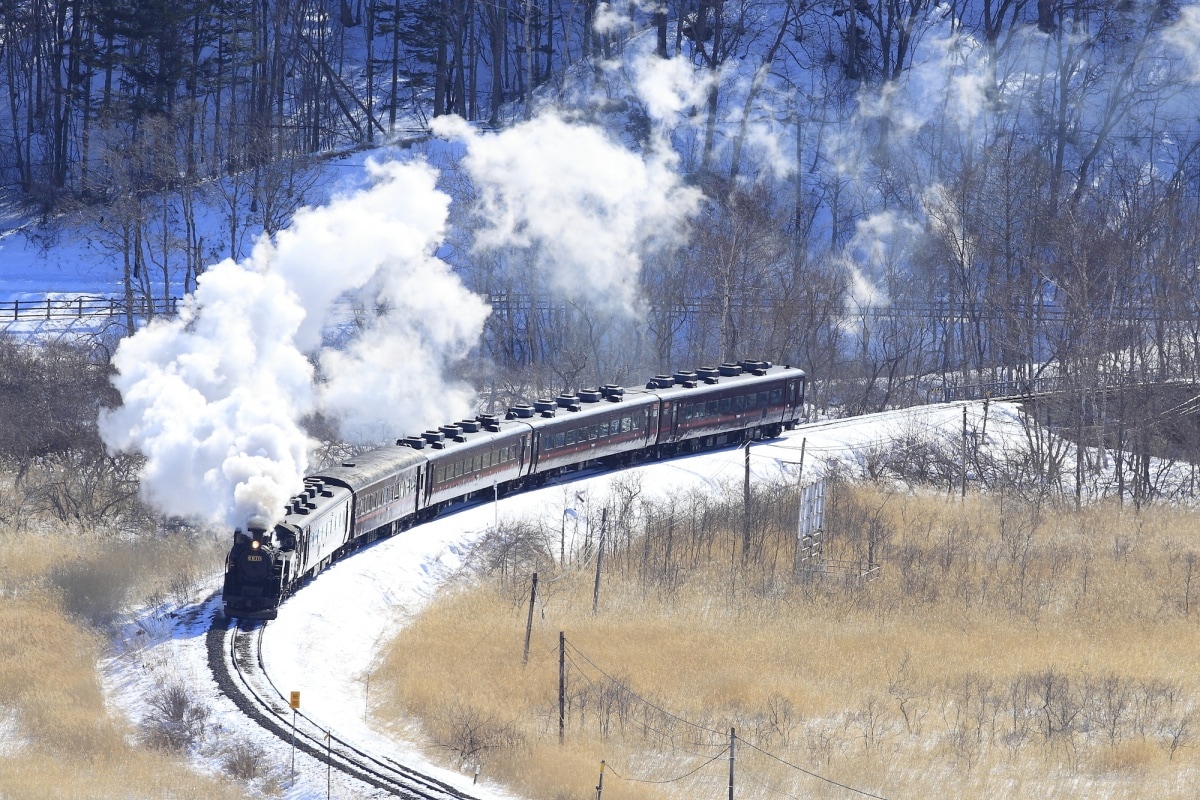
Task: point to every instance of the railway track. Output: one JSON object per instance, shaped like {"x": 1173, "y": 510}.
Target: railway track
{"x": 235, "y": 658}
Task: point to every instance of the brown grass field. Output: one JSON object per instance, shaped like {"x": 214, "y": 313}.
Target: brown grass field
{"x": 1009, "y": 648}
{"x": 57, "y": 737}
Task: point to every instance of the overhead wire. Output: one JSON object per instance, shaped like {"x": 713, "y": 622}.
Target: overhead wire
{"x": 687, "y": 774}
{"x": 707, "y": 729}
{"x": 663, "y": 735}
{"x": 810, "y": 773}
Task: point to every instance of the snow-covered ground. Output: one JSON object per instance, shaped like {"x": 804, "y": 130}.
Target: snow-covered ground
{"x": 327, "y": 636}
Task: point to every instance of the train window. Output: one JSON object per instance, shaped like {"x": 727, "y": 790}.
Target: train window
{"x": 614, "y": 426}
{"x": 626, "y": 424}
{"x": 476, "y": 463}
{"x": 776, "y": 396}
{"x": 594, "y": 433}
{"x": 725, "y": 405}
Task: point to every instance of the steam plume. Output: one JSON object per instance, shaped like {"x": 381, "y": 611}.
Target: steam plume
{"x": 213, "y": 398}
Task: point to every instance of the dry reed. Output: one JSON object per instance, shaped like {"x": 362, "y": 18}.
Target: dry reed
{"x": 1006, "y": 650}
{"x": 61, "y": 739}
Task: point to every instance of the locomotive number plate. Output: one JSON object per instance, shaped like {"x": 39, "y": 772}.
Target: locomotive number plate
{"x": 254, "y": 558}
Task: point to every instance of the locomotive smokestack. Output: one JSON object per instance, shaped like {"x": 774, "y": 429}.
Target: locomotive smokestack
{"x": 256, "y": 525}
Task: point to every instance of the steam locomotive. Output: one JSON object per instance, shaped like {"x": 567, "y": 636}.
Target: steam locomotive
{"x": 390, "y": 489}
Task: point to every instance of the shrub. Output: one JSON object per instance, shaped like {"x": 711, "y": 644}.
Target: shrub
{"x": 175, "y": 722}
{"x": 245, "y": 761}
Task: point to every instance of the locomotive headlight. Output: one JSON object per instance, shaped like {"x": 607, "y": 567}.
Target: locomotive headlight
{"x": 254, "y": 545}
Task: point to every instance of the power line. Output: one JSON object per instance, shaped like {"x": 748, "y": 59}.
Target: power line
{"x": 644, "y": 700}
{"x": 663, "y": 735}
{"x": 706, "y": 729}
{"x": 810, "y": 773}
{"x": 687, "y": 774}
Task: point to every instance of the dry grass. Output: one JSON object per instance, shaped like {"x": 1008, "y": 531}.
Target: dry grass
{"x": 63, "y": 742}
{"x": 1006, "y": 651}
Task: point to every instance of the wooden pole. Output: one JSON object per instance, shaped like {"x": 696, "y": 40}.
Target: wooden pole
{"x": 529, "y": 621}
{"x": 732, "y": 739}
{"x": 964, "y": 454}
{"x": 746, "y": 510}
{"x": 599, "y": 560}
{"x": 562, "y": 687}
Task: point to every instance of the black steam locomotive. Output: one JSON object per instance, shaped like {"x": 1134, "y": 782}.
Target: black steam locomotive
{"x": 390, "y": 489}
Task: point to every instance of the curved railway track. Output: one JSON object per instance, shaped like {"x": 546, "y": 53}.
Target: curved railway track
{"x": 235, "y": 658}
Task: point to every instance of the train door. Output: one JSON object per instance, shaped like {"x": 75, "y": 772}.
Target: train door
{"x": 521, "y": 455}
{"x": 795, "y": 399}
{"x": 535, "y": 452}
{"x": 416, "y": 479}
{"x": 425, "y": 484}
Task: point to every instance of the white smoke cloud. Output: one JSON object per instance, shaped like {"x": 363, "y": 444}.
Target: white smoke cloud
{"x": 1184, "y": 35}
{"x": 671, "y": 88}
{"x": 588, "y": 207}
{"x": 213, "y": 398}
{"x": 874, "y": 255}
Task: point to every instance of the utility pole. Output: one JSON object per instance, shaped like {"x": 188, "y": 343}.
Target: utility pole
{"x": 562, "y": 687}
{"x": 529, "y": 621}
{"x": 732, "y": 739}
{"x": 600, "y": 785}
{"x": 746, "y": 509}
{"x": 964, "y": 454}
{"x": 599, "y": 560}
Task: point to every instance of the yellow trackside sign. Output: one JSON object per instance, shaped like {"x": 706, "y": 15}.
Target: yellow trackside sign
{"x": 295, "y": 700}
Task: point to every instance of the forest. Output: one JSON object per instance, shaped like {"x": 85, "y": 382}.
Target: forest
{"x": 914, "y": 200}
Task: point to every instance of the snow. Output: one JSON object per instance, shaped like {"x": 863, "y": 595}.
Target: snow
{"x": 327, "y": 637}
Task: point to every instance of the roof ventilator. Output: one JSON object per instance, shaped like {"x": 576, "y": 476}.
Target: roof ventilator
{"x": 708, "y": 374}
{"x": 686, "y": 379}
{"x": 453, "y": 432}
{"x": 755, "y": 367}
{"x": 435, "y": 439}
{"x": 568, "y": 400}
{"x": 520, "y": 411}
{"x": 660, "y": 382}
{"x": 544, "y": 407}
{"x": 470, "y": 425}
{"x": 729, "y": 370}
{"x": 490, "y": 422}
{"x": 590, "y": 395}
{"x": 613, "y": 392}
{"x": 415, "y": 442}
